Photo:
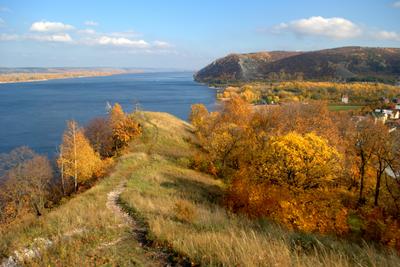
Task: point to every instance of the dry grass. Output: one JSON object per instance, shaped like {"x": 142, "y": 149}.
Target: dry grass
{"x": 181, "y": 207}
{"x": 83, "y": 231}
{"x": 200, "y": 228}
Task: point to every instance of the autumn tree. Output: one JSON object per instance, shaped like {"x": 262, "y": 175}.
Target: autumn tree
{"x": 300, "y": 161}
{"x": 392, "y": 177}
{"x": 198, "y": 115}
{"x": 124, "y": 131}
{"x": 382, "y": 155}
{"x": 124, "y": 127}
{"x": 27, "y": 183}
{"x": 116, "y": 114}
{"x": 222, "y": 134}
{"x": 366, "y": 142}
{"x": 237, "y": 111}
{"x": 224, "y": 144}
{"x": 99, "y": 133}
{"x": 78, "y": 160}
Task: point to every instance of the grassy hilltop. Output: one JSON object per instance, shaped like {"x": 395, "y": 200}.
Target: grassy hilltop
{"x": 174, "y": 218}
{"x": 337, "y": 64}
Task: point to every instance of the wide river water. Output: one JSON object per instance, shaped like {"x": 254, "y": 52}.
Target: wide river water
{"x": 34, "y": 114}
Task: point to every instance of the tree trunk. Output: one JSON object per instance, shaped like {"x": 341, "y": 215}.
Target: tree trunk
{"x": 75, "y": 160}
{"x": 377, "y": 187}
{"x": 362, "y": 174}
{"x": 62, "y": 172}
{"x": 379, "y": 173}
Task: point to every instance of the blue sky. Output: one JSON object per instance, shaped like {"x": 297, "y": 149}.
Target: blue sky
{"x": 183, "y": 34}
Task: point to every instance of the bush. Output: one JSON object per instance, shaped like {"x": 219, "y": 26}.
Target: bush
{"x": 184, "y": 211}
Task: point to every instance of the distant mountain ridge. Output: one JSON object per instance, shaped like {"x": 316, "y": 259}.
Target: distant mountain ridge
{"x": 338, "y": 64}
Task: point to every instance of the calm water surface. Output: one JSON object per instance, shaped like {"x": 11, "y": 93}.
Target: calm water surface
{"x": 34, "y": 114}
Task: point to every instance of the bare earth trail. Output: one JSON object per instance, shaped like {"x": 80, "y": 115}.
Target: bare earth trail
{"x": 128, "y": 242}
{"x": 156, "y": 255}
{"x": 152, "y": 255}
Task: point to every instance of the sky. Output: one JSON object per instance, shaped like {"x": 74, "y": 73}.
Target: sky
{"x": 183, "y": 34}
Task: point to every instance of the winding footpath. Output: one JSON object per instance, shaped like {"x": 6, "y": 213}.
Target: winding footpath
{"x": 157, "y": 254}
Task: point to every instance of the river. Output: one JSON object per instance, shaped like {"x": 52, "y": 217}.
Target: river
{"x": 34, "y": 113}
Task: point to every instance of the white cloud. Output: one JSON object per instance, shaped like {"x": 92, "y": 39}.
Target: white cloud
{"x": 59, "y": 38}
{"x": 387, "y": 35}
{"x": 396, "y": 4}
{"x": 91, "y": 23}
{"x": 161, "y": 44}
{"x": 2, "y": 22}
{"x": 48, "y": 26}
{"x": 125, "y": 34}
{"x": 122, "y": 42}
{"x": 335, "y": 28}
{"x": 45, "y": 31}
{"x": 87, "y": 31}
{"x": 9, "y": 37}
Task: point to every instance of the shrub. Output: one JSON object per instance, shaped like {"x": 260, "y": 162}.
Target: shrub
{"x": 184, "y": 211}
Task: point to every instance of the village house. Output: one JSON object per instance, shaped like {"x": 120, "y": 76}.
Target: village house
{"x": 379, "y": 116}
{"x": 385, "y": 114}
{"x": 345, "y": 99}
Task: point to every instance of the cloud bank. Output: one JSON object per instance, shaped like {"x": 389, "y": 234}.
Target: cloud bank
{"x": 388, "y": 35}
{"x": 58, "y": 38}
{"x": 56, "y": 32}
{"x": 48, "y": 26}
{"x": 121, "y": 41}
{"x": 335, "y": 28}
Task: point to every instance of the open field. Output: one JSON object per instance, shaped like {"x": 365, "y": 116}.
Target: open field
{"x": 338, "y": 107}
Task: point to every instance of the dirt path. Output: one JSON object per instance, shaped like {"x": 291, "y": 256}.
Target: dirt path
{"x": 157, "y": 255}
{"x": 112, "y": 199}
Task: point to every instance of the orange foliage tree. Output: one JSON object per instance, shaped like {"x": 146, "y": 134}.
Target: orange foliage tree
{"x": 304, "y": 166}
{"x": 124, "y": 127}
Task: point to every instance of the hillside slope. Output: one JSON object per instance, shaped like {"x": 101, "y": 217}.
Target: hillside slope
{"x": 345, "y": 63}
{"x": 240, "y": 66}
{"x": 156, "y": 211}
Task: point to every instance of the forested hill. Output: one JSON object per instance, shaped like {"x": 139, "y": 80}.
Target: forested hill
{"x": 338, "y": 64}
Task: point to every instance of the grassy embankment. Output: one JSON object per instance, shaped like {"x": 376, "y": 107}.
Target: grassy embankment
{"x": 181, "y": 208}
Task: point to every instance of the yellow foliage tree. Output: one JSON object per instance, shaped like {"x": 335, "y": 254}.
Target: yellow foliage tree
{"x": 300, "y": 161}
{"x": 77, "y": 158}
{"x": 249, "y": 95}
{"x": 116, "y": 114}
{"x": 198, "y": 115}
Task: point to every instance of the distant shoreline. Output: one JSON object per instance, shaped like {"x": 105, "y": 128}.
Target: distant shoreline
{"x": 15, "y": 77}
